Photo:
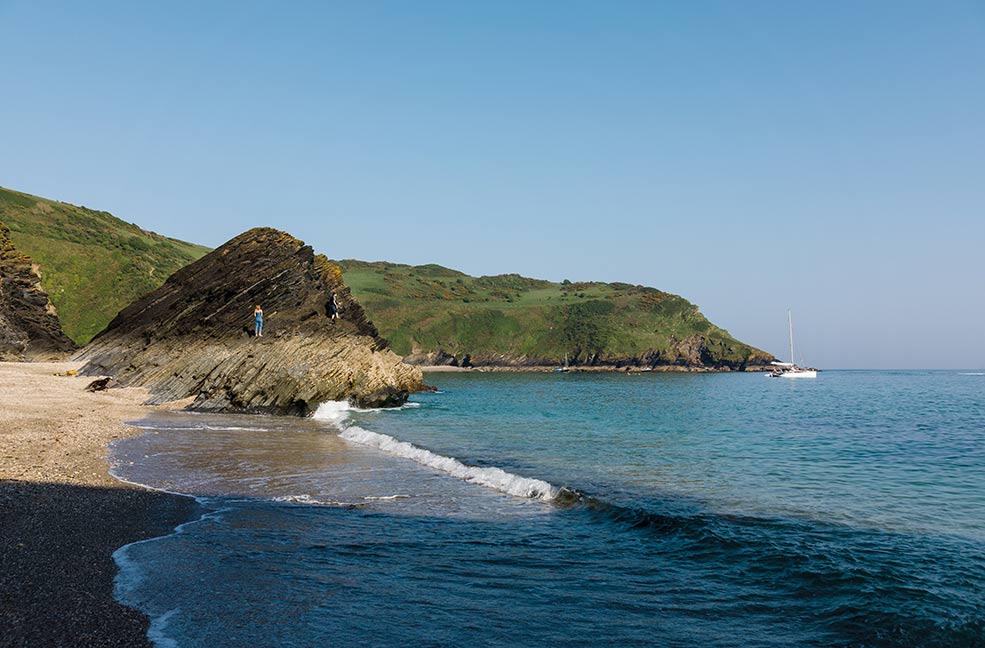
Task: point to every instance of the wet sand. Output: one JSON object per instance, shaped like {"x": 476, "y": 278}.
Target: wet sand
{"x": 61, "y": 513}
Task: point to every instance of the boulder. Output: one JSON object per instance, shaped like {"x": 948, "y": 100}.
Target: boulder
{"x": 193, "y": 336}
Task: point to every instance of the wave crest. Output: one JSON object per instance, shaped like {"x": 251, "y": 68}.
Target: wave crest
{"x": 336, "y": 412}
{"x": 495, "y": 478}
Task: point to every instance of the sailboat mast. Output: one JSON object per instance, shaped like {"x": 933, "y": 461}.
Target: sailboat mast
{"x": 790, "y": 326}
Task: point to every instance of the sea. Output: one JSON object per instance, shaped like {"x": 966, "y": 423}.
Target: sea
{"x": 580, "y": 509}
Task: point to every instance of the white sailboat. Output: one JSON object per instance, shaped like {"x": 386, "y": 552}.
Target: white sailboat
{"x": 790, "y": 369}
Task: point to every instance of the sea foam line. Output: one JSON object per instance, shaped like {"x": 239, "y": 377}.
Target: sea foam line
{"x": 130, "y": 575}
{"x": 338, "y": 411}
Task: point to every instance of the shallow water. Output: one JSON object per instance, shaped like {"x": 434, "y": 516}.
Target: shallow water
{"x": 579, "y": 510}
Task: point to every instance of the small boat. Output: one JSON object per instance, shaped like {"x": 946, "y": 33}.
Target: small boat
{"x": 790, "y": 369}
{"x": 565, "y": 368}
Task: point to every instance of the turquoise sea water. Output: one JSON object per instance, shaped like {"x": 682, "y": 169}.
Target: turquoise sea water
{"x": 579, "y": 510}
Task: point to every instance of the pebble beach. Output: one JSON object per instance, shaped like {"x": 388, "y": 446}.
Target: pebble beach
{"x": 62, "y": 515}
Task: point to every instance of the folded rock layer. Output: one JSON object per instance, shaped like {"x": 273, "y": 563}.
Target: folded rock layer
{"x": 193, "y": 336}
{"x": 29, "y": 326}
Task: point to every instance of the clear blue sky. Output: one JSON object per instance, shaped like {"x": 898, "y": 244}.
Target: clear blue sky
{"x": 827, "y": 157}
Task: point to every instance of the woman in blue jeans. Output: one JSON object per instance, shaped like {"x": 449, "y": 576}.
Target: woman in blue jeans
{"x": 258, "y": 321}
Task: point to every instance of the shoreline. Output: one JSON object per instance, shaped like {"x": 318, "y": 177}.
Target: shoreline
{"x": 634, "y": 369}
{"x": 64, "y": 514}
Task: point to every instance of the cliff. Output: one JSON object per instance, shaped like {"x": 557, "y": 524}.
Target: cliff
{"x": 193, "y": 336}
{"x": 92, "y": 263}
{"x": 29, "y": 327}
{"x": 435, "y": 315}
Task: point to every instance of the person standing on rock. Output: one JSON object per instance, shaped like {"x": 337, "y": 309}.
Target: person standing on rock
{"x": 258, "y": 321}
{"x": 333, "y": 307}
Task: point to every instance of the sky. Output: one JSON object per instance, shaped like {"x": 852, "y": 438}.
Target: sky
{"x": 753, "y": 157}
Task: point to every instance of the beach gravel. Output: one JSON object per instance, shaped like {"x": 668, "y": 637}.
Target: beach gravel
{"x": 62, "y": 515}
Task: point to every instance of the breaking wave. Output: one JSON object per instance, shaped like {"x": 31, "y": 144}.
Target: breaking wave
{"x": 337, "y": 412}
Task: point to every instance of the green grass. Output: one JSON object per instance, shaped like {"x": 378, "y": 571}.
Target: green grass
{"x": 92, "y": 263}
{"x": 430, "y": 307}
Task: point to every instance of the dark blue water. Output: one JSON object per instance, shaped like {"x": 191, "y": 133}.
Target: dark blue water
{"x": 579, "y": 510}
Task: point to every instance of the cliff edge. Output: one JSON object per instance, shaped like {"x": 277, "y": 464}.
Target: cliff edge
{"x": 29, "y": 326}
{"x": 193, "y": 336}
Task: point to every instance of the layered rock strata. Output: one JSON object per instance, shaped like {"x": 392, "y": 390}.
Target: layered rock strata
{"x": 29, "y": 326}
{"x": 193, "y": 336}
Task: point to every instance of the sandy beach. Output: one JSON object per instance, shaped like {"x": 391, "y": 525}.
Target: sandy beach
{"x": 62, "y": 514}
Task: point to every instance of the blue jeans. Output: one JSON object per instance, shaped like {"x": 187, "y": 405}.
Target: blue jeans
{"x": 258, "y": 327}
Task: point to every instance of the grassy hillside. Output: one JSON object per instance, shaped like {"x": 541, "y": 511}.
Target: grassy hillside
{"x": 427, "y": 308}
{"x": 92, "y": 263}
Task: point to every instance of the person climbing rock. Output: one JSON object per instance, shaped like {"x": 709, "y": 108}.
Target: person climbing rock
{"x": 333, "y": 306}
{"x": 258, "y": 321}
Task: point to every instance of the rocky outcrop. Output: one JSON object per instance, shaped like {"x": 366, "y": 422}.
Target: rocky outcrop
{"x": 29, "y": 327}
{"x": 692, "y": 353}
{"x": 700, "y": 352}
{"x": 193, "y": 336}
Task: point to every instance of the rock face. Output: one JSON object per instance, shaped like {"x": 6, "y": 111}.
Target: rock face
{"x": 193, "y": 336}
{"x": 691, "y": 353}
{"x": 29, "y": 327}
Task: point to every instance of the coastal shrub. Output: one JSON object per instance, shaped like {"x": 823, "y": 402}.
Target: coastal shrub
{"x": 137, "y": 243}
{"x": 578, "y": 286}
{"x": 511, "y": 283}
{"x": 583, "y": 329}
{"x": 335, "y": 273}
{"x": 484, "y": 328}
{"x": 651, "y": 300}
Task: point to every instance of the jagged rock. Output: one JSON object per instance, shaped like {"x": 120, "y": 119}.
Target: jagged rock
{"x": 29, "y": 327}
{"x": 193, "y": 336}
{"x": 432, "y": 359}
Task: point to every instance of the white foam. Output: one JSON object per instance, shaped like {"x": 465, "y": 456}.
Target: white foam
{"x": 130, "y": 576}
{"x": 154, "y": 427}
{"x": 156, "y": 630}
{"x": 338, "y": 411}
{"x": 309, "y": 500}
{"x": 495, "y": 478}
{"x": 333, "y": 411}
{"x": 296, "y": 499}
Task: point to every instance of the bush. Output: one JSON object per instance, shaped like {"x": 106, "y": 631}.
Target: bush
{"x": 584, "y": 328}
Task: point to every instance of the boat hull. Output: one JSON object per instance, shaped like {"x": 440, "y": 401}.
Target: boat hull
{"x": 801, "y": 373}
